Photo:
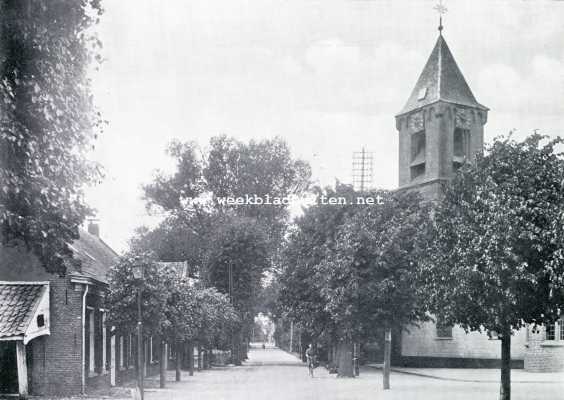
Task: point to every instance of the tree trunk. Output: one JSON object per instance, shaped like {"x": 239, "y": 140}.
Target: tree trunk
{"x": 505, "y": 389}
{"x": 333, "y": 359}
{"x": 334, "y": 356}
{"x": 345, "y": 359}
{"x": 162, "y": 365}
{"x": 191, "y": 358}
{"x": 357, "y": 359}
{"x": 237, "y": 346}
{"x": 246, "y": 349}
{"x": 387, "y": 357}
{"x": 178, "y": 364}
{"x": 199, "y": 358}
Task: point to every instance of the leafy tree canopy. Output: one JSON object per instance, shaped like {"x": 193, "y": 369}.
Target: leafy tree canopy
{"x": 230, "y": 168}
{"x": 215, "y": 236}
{"x": 47, "y": 122}
{"x": 370, "y": 276}
{"x": 495, "y": 254}
{"x": 308, "y": 243}
{"x": 172, "y": 307}
{"x": 242, "y": 246}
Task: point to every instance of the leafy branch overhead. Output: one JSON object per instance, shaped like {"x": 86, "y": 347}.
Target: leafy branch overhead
{"x": 47, "y": 123}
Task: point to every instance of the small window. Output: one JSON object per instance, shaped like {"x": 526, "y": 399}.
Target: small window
{"x": 461, "y": 143}
{"x": 561, "y": 327}
{"x": 422, "y": 94}
{"x": 551, "y": 332}
{"x": 417, "y": 171}
{"x": 40, "y": 321}
{"x": 444, "y": 330}
{"x": 418, "y": 146}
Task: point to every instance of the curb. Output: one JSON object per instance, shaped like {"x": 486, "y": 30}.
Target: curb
{"x": 442, "y": 378}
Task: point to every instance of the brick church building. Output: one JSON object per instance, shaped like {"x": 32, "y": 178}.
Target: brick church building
{"x": 441, "y": 127}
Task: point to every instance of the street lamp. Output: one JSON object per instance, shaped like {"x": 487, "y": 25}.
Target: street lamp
{"x": 138, "y": 275}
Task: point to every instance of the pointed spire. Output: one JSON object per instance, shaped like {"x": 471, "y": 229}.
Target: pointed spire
{"x": 440, "y": 80}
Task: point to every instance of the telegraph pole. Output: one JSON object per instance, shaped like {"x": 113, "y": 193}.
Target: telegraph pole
{"x": 362, "y": 169}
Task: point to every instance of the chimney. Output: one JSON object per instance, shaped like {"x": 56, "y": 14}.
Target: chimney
{"x": 93, "y": 227}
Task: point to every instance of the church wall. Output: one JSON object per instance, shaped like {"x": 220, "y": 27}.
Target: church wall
{"x": 477, "y": 132}
{"x": 423, "y": 343}
{"x": 544, "y": 355}
{"x": 444, "y": 135}
{"x": 403, "y": 155}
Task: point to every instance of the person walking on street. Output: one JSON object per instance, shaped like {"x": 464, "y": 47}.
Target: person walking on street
{"x": 310, "y": 359}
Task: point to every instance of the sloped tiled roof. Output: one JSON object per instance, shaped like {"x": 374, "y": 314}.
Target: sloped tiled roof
{"x": 95, "y": 255}
{"x": 18, "y": 302}
{"x": 441, "y": 79}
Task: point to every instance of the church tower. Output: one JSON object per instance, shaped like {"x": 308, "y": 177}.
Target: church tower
{"x": 441, "y": 126}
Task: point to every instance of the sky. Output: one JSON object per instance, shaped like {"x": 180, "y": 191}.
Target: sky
{"x": 328, "y": 76}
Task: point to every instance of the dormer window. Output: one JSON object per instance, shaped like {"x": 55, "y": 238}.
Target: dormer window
{"x": 422, "y": 94}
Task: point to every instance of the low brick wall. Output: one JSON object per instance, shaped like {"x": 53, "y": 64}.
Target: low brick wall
{"x": 452, "y": 362}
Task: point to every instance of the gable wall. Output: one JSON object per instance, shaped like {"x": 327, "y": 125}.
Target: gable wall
{"x": 55, "y": 366}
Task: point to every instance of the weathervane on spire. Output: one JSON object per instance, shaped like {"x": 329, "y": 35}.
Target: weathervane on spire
{"x": 441, "y": 9}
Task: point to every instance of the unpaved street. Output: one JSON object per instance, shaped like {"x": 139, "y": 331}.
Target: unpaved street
{"x": 272, "y": 374}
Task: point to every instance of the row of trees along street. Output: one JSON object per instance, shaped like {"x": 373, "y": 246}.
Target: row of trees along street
{"x": 488, "y": 256}
{"x": 230, "y": 248}
{"x": 176, "y": 310}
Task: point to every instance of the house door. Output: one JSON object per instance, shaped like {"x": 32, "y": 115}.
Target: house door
{"x": 8, "y": 367}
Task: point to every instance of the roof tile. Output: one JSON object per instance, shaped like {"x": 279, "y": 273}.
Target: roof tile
{"x": 17, "y": 304}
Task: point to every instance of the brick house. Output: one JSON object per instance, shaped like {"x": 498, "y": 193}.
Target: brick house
{"x": 440, "y": 127}
{"x": 53, "y": 336}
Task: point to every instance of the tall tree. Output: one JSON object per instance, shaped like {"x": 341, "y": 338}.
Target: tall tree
{"x": 174, "y": 239}
{"x": 301, "y": 277}
{"x": 230, "y": 168}
{"x": 214, "y": 235}
{"x": 237, "y": 265}
{"x": 47, "y": 123}
{"x": 122, "y": 298}
{"x": 371, "y": 276}
{"x": 495, "y": 258}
